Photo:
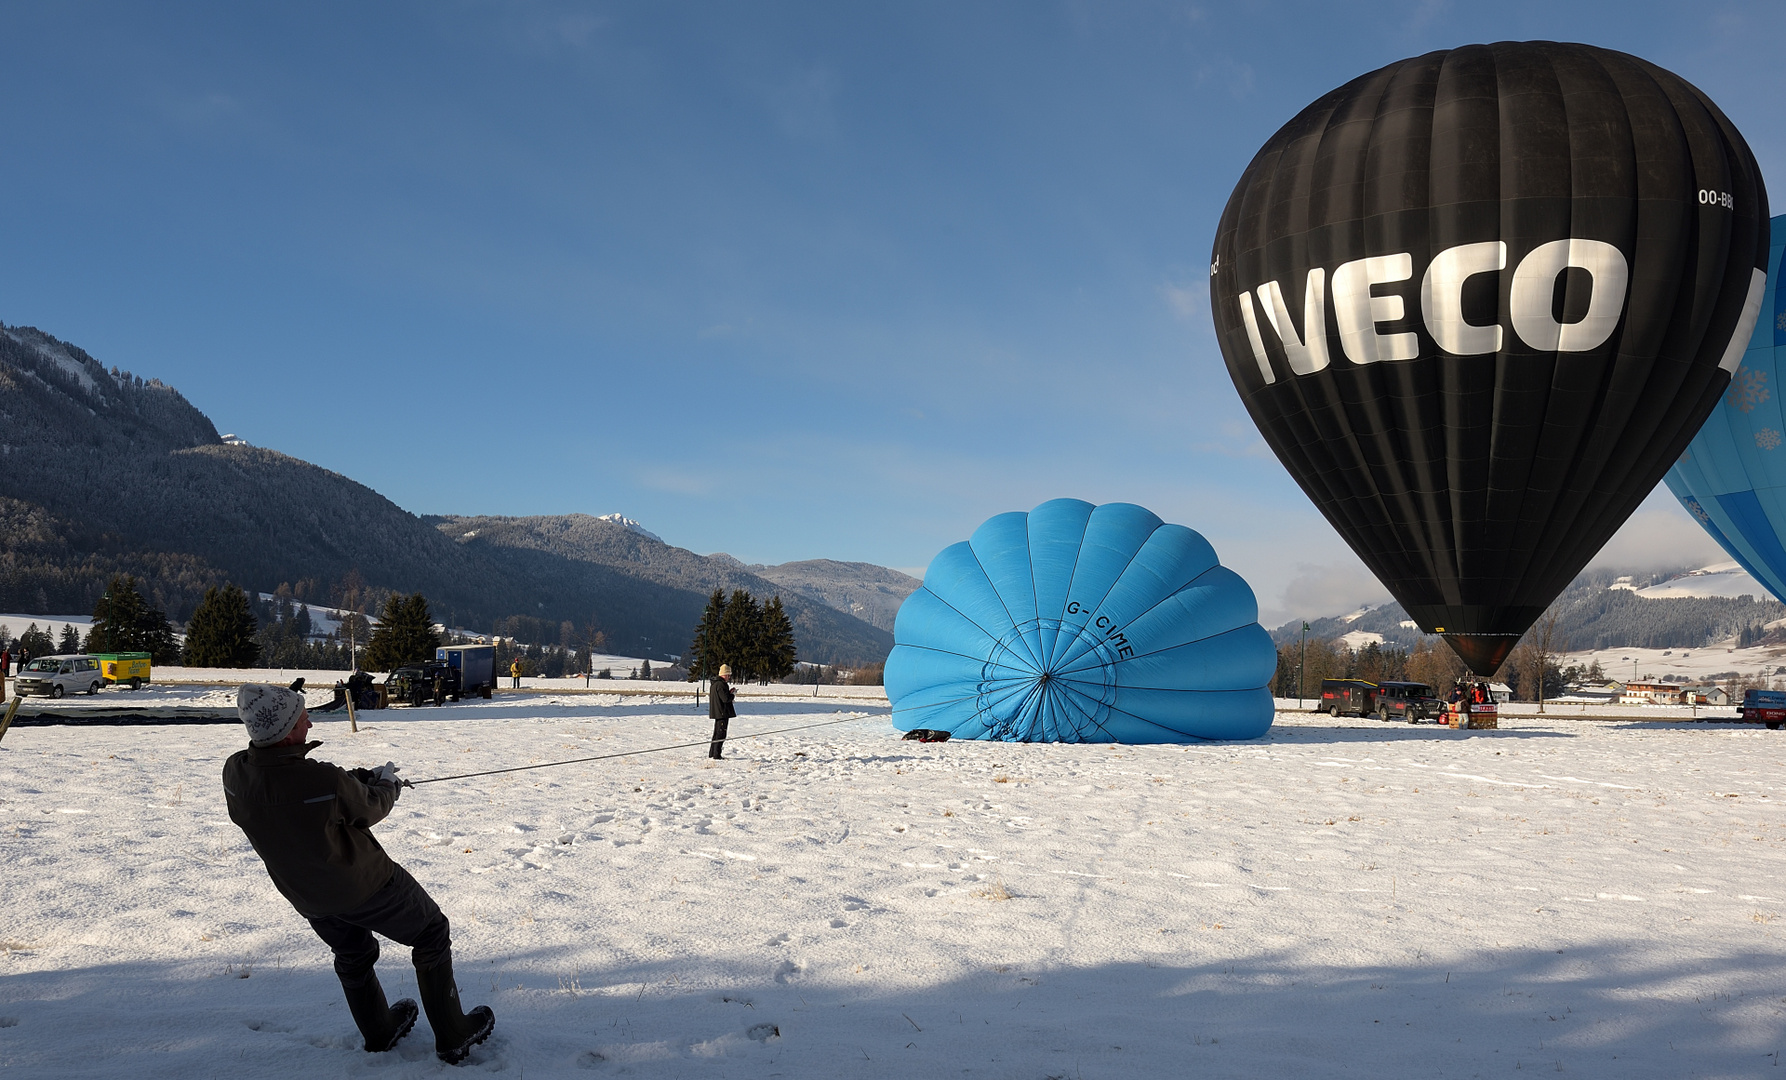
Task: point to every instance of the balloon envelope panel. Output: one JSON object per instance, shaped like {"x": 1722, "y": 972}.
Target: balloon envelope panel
{"x": 1479, "y": 301}
{"x": 1732, "y": 478}
{"x": 1075, "y": 623}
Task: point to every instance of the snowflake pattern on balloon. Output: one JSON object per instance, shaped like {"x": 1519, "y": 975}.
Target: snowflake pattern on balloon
{"x": 1748, "y": 388}
{"x": 1697, "y": 510}
{"x": 1767, "y": 438}
{"x": 1780, "y": 320}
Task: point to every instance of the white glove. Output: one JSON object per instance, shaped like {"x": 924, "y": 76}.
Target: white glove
{"x": 387, "y": 773}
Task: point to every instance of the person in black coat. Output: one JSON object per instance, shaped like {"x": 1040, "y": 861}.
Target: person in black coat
{"x": 719, "y": 709}
{"x": 311, "y": 824}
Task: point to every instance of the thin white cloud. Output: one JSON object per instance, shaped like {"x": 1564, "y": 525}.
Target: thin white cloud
{"x": 1322, "y": 590}
{"x": 1189, "y": 301}
{"x": 676, "y": 482}
{"x": 1659, "y": 536}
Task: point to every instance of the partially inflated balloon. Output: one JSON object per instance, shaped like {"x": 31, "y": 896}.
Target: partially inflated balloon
{"x": 1075, "y": 623}
{"x": 1733, "y": 476}
{"x": 1479, "y": 301}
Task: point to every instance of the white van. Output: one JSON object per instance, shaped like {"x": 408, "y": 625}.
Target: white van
{"x": 53, "y": 676}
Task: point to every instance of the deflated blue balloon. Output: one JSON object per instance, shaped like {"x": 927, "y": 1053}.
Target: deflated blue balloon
{"x": 1732, "y": 478}
{"x": 1082, "y": 623}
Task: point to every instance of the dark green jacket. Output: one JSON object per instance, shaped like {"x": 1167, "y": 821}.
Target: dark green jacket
{"x": 311, "y": 823}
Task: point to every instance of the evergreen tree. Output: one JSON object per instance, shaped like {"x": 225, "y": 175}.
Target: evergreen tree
{"x": 777, "y": 649}
{"x": 703, "y": 652}
{"x": 644, "y": 669}
{"x": 34, "y": 643}
{"x": 221, "y": 632}
{"x": 124, "y": 622}
{"x": 71, "y": 640}
{"x": 405, "y": 634}
{"x": 116, "y": 616}
{"x": 157, "y": 639}
{"x": 740, "y": 628}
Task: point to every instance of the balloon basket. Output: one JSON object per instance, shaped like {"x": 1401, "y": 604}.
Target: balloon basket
{"x": 1477, "y": 719}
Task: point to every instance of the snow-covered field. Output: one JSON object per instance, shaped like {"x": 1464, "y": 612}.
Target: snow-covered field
{"x": 52, "y": 625}
{"x": 1341, "y": 898}
{"x": 1645, "y": 665}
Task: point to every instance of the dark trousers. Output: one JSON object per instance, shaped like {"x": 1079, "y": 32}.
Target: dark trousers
{"x": 402, "y": 911}
{"x": 719, "y": 739}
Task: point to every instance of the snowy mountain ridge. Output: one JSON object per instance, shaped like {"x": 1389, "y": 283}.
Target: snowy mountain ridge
{"x": 109, "y": 474}
{"x": 1601, "y": 609}
{"x": 1720, "y": 579}
{"x": 628, "y": 523}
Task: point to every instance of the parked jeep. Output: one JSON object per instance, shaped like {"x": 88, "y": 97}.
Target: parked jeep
{"x": 431, "y": 682}
{"x": 1410, "y": 701}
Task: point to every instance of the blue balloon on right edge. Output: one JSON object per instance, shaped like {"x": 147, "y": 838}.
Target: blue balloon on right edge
{"x": 1732, "y": 478}
{"x": 1082, "y": 623}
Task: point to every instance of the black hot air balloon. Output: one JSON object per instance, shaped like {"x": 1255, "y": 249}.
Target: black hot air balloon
{"x": 1479, "y": 301}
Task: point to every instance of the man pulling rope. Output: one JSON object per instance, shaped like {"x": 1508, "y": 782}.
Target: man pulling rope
{"x": 311, "y": 823}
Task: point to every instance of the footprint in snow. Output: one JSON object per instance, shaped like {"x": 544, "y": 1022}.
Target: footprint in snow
{"x": 269, "y": 1026}
{"x": 778, "y": 940}
{"x": 762, "y": 1032}
{"x": 838, "y": 924}
{"x": 788, "y": 971}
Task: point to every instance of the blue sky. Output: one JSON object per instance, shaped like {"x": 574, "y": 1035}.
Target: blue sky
{"x": 787, "y": 281}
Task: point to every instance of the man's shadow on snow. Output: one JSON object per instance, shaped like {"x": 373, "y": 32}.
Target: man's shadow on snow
{"x": 1188, "y": 1007}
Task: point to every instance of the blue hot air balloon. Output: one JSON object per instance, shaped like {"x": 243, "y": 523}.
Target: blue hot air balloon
{"x": 1082, "y": 623}
{"x": 1732, "y": 477}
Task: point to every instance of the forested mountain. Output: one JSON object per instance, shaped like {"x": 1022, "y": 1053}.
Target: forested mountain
{"x": 869, "y": 592}
{"x": 1601, "y": 609}
{"x": 103, "y": 473}
{"x": 609, "y": 557}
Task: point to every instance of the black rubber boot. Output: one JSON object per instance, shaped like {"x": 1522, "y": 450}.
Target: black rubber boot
{"x": 455, "y": 1032}
{"x": 382, "y": 1025}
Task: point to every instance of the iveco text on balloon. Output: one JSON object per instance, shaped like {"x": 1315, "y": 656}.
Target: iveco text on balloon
{"x": 1478, "y": 301}
{"x": 1359, "y": 313}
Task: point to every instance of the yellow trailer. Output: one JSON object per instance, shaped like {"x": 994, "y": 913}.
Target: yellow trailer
{"x": 124, "y": 667}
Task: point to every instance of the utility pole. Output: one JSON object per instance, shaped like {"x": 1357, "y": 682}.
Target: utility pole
{"x": 1302, "y": 667}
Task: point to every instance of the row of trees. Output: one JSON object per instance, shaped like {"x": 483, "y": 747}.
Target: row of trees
{"x": 231, "y": 629}
{"x": 224, "y": 632}
{"x": 122, "y": 622}
{"x": 34, "y": 642}
{"x": 757, "y": 640}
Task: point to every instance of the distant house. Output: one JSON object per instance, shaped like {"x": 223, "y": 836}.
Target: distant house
{"x": 1650, "y": 693}
{"x": 1704, "y": 695}
{"x": 1501, "y": 692}
{"x": 1592, "y": 692}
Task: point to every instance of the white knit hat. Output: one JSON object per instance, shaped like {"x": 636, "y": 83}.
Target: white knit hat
{"x": 269, "y": 712}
